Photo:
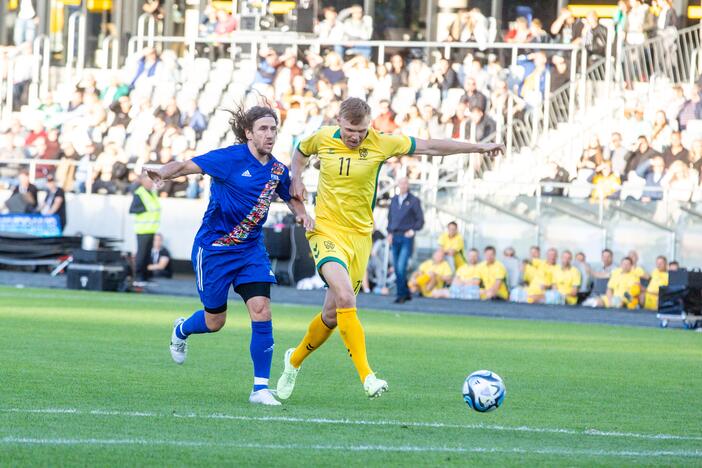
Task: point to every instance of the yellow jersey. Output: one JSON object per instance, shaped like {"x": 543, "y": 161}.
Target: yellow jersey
{"x": 441, "y": 270}
{"x": 658, "y": 279}
{"x": 469, "y": 273}
{"x": 541, "y": 278}
{"x": 531, "y": 269}
{"x": 637, "y": 271}
{"x": 565, "y": 280}
{"x": 622, "y": 283}
{"x": 489, "y": 274}
{"x": 348, "y": 178}
{"x": 451, "y": 243}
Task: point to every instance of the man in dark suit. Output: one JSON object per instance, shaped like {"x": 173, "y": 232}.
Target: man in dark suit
{"x": 405, "y": 218}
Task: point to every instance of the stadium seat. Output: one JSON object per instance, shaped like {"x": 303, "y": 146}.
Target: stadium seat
{"x": 404, "y": 98}
{"x": 430, "y": 96}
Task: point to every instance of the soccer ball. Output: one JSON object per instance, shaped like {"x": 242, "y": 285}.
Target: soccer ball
{"x": 484, "y": 391}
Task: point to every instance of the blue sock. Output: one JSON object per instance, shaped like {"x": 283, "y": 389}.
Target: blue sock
{"x": 193, "y": 325}
{"x": 261, "y": 352}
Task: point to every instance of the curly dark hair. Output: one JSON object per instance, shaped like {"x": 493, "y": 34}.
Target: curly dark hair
{"x": 243, "y": 120}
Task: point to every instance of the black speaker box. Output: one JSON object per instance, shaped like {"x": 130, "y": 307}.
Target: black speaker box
{"x": 96, "y": 277}
{"x": 300, "y": 263}
{"x": 96, "y": 256}
{"x": 278, "y": 242}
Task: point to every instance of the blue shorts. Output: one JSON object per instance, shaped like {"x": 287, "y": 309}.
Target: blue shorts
{"x": 217, "y": 270}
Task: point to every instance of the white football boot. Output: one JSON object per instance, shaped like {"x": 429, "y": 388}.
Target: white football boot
{"x": 263, "y": 397}
{"x": 179, "y": 348}
{"x": 286, "y": 382}
{"x": 374, "y": 386}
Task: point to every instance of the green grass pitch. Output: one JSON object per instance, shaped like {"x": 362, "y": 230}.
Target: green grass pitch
{"x": 86, "y": 379}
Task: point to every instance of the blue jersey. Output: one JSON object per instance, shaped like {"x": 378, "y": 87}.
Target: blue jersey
{"x": 241, "y": 192}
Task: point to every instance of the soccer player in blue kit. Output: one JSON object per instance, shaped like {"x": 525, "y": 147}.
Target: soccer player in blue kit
{"x": 228, "y": 248}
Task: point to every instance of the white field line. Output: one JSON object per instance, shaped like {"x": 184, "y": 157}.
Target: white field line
{"x": 357, "y": 422}
{"x": 356, "y": 448}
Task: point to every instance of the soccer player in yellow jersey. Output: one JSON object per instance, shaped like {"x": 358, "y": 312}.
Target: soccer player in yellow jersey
{"x": 567, "y": 278}
{"x": 451, "y": 242}
{"x": 431, "y": 275}
{"x": 351, "y": 155}
{"x": 493, "y": 276}
{"x": 659, "y": 277}
{"x": 623, "y": 288}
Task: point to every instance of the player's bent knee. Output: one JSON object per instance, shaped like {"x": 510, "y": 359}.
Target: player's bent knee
{"x": 215, "y": 320}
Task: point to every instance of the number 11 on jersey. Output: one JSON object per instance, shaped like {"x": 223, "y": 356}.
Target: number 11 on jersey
{"x": 341, "y": 165}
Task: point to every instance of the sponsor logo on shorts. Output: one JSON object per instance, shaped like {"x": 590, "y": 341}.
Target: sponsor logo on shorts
{"x": 329, "y": 245}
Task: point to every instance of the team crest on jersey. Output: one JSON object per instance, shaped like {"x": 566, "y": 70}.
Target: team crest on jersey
{"x": 329, "y": 245}
{"x": 363, "y": 153}
{"x": 277, "y": 169}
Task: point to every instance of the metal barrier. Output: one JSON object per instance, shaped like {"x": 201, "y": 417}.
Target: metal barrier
{"x": 40, "y": 69}
{"x": 110, "y": 49}
{"x": 75, "y": 21}
{"x": 673, "y": 54}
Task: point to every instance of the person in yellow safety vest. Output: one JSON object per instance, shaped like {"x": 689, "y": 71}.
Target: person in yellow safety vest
{"x": 146, "y": 208}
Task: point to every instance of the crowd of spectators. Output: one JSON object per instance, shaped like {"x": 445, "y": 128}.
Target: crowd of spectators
{"x": 101, "y": 134}
{"x": 567, "y": 280}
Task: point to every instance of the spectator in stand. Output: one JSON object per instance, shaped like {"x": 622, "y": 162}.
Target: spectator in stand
{"x": 635, "y": 125}
{"x": 499, "y": 102}
{"x": 666, "y": 22}
{"x": 147, "y": 67}
{"x": 534, "y": 84}
{"x": 114, "y": 91}
{"x": 679, "y": 182}
{"x": 120, "y": 111}
{"x": 694, "y": 157}
{"x": 473, "y": 97}
{"x": 518, "y": 32}
{"x": 676, "y": 151}
{"x": 493, "y": 276}
{"x": 160, "y": 261}
{"x": 360, "y": 74}
{"x": 25, "y": 23}
{"x": 433, "y": 128}
{"x": 385, "y": 121}
{"x": 444, "y": 77}
{"x": 55, "y": 202}
{"x": 606, "y": 184}
{"x": 554, "y": 173}
{"x": 653, "y": 172}
{"x": 659, "y": 277}
{"x": 405, "y": 218}
{"x": 639, "y": 23}
{"x": 432, "y": 275}
{"x": 662, "y": 131}
{"x": 616, "y": 154}
{"x": 412, "y": 123}
{"x": 466, "y": 281}
{"x": 562, "y": 27}
{"x": 24, "y": 196}
{"x": 566, "y": 280}
{"x": 537, "y": 32}
{"x": 398, "y": 73}
{"x": 592, "y": 156}
{"x": 193, "y": 118}
{"x": 480, "y": 127}
{"x": 590, "y": 33}
{"x": 267, "y": 66}
{"x": 560, "y": 74}
{"x": 452, "y": 244}
{"x": 673, "y": 266}
{"x": 691, "y": 109}
{"x": 512, "y": 266}
{"x": 640, "y": 155}
{"x": 169, "y": 113}
{"x": 356, "y": 27}
{"x": 329, "y": 29}
{"x": 456, "y": 123}
{"x": 623, "y": 288}
{"x": 333, "y": 70}
{"x": 461, "y": 29}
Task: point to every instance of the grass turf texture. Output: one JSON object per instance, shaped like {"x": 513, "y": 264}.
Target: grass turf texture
{"x": 94, "y": 359}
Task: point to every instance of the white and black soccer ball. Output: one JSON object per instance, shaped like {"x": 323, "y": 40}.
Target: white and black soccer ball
{"x": 484, "y": 391}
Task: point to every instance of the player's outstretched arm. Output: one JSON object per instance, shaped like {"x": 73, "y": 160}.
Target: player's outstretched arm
{"x": 301, "y": 216}
{"x": 172, "y": 170}
{"x": 438, "y": 147}
{"x": 297, "y": 188}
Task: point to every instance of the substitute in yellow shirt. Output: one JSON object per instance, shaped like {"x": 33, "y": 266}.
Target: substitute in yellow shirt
{"x": 623, "y": 288}
{"x": 659, "y": 277}
{"x": 451, "y": 242}
{"x": 567, "y": 279}
{"x": 431, "y": 275}
{"x": 493, "y": 276}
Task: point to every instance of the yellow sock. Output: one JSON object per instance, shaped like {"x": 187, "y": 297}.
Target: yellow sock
{"x": 354, "y": 338}
{"x": 317, "y": 334}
